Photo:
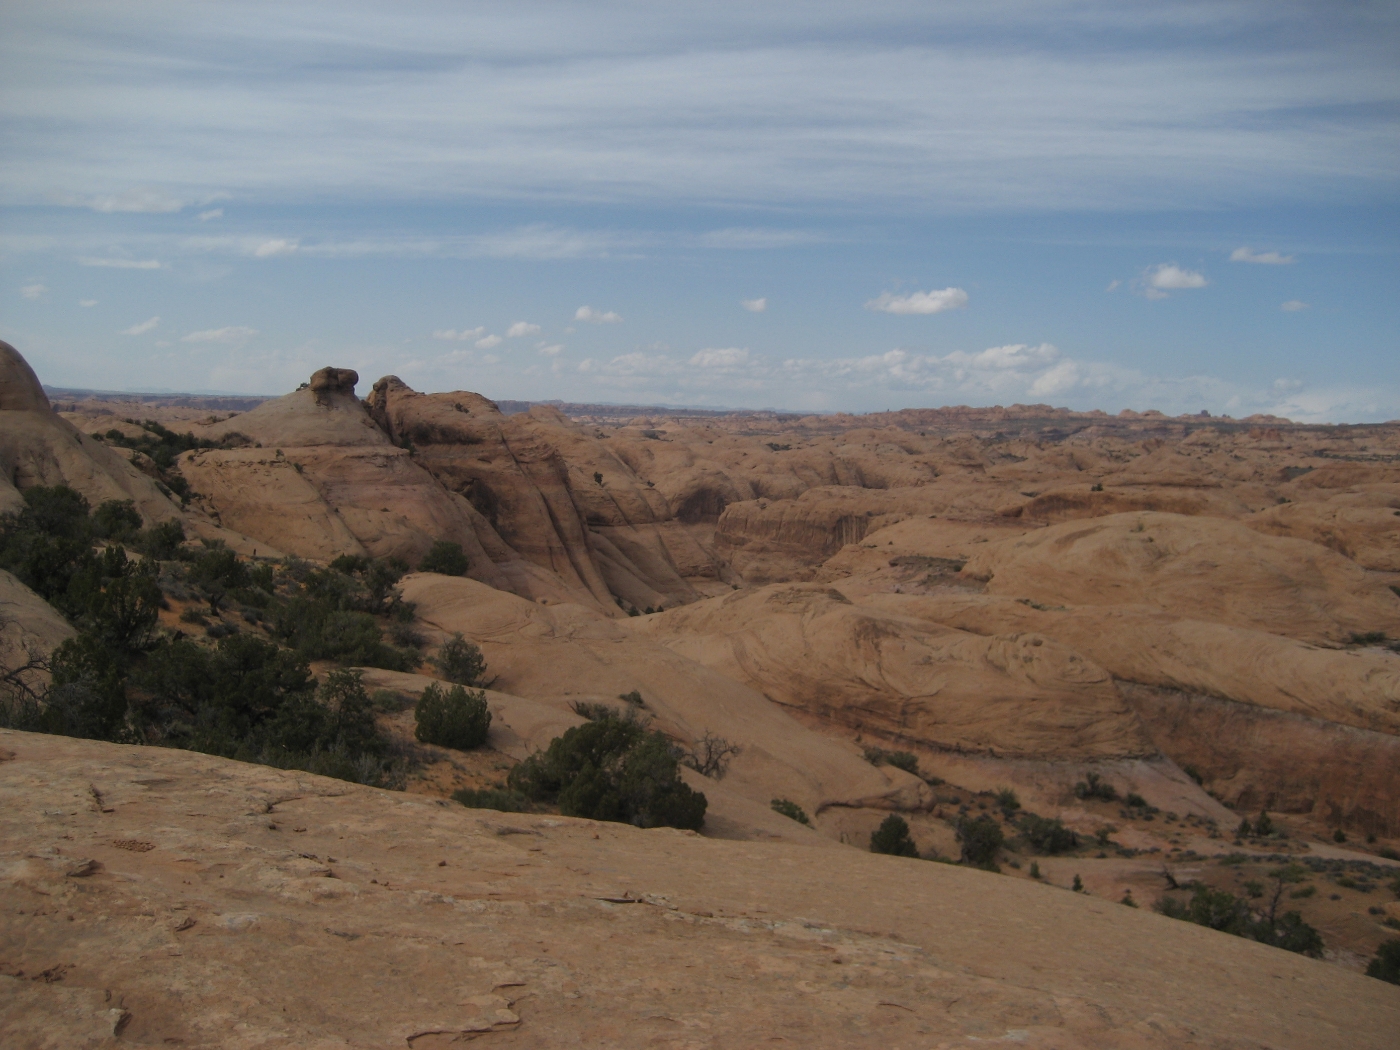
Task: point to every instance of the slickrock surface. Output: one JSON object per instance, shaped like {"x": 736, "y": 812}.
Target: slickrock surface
{"x": 163, "y": 898}
{"x": 38, "y": 447}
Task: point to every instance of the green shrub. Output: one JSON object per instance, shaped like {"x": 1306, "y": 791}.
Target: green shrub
{"x": 612, "y": 768}
{"x": 1007, "y": 802}
{"x": 791, "y": 810}
{"x": 456, "y": 718}
{"x": 493, "y": 798}
{"x": 116, "y": 520}
{"x": 981, "y": 840}
{"x": 161, "y": 541}
{"x": 1094, "y": 786}
{"x": 892, "y": 837}
{"x": 1045, "y": 835}
{"x": 446, "y": 558}
{"x": 1386, "y": 965}
{"x": 458, "y": 660}
{"x": 1135, "y": 801}
{"x": 905, "y": 760}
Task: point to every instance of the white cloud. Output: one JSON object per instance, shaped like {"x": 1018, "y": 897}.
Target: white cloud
{"x": 1293, "y": 306}
{"x": 232, "y": 334}
{"x": 1171, "y": 277}
{"x": 552, "y": 351}
{"x": 212, "y": 213}
{"x": 277, "y": 246}
{"x": 728, "y": 358}
{"x": 460, "y": 335}
{"x": 34, "y": 291}
{"x": 748, "y": 238}
{"x": 522, "y": 328}
{"x": 592, "y": 316}
{"x": 120, "y": 264}
{"x": 489, "y": 342}
{"x": 142, "y": 328}
{"x": 1155, "y": 293}
{"x": 754, "y": 306}
{"x": 1113, "y": 284}
{"x": 1249, "y": 255}
{"x": 87, "y": 302}
{"x": 135, "y": 200}
{"x": 490, "y": 359}
{"x": 919, "y": 302}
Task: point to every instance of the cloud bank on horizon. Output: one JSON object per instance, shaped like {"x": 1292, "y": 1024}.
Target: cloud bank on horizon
{"x": 933, "y": 200}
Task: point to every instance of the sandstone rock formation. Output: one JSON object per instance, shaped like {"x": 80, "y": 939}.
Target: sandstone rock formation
{"x": 158, "y": 897}
{"x": 39, "y": 448}
{"x": 563, "y": 654}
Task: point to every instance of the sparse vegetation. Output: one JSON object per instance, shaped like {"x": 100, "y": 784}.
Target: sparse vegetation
{"x": 1094, "y": 786}
{"x": 1222, "y": 910}
{"x": 460, "y": 661}
{"x": 710, "y": 756}
{"x": 120, "y": 679}
{"x": 905, "y": 760}
{"x": 1007, "y": 802}
{"x": 892, "y": 837}
{"x": 454, "y": 718}
{"x": 446, "y": 558}
{"x": 1386, "y": 965}
{"x": 1045, "y": 835}
{"x": 981, "y": 839}
{"x": 791, "y": 810}
{"x": 496, "y": 798}
{"x": 612, "y": 768}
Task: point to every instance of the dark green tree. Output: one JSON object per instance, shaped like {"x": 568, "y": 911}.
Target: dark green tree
{"x": 454, "y": 718}
{"x": 892, "y": 837}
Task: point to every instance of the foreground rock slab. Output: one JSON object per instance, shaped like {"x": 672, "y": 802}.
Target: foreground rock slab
{"x": 153, "y": 897}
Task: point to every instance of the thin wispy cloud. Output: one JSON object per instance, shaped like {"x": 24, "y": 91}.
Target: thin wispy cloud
{"x": 1249, "y": 255}
{"x": 85, "y": 303}
{"x": 591, "y": 316}
{"x": 143, "y": 327}
{"x": 212, "y": 213}
{"x": 489, "y": 342}
{"x": 33, "y": 291}
{"x": 231, "y": 334}
{"x": 276, "y": 246}
{"x": 521, "y": 329}
{"x": 754, "y": 306}
{"x": 460, "y": 335}
{"x": 1292, "y": 306}
{"x": 934, "y": 302}
{"x": 120, "y": 264}
{"x": 141, "y": 199}
{"x": 1065, "y": 111}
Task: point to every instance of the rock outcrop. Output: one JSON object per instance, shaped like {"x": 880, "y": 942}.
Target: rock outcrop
{"x": 38, "y": 447}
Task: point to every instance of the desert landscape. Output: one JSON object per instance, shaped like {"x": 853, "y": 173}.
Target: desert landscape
{"x": 1024, "y": 725}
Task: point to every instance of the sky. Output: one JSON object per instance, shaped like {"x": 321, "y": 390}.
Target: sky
{"x": 807, "y": 206}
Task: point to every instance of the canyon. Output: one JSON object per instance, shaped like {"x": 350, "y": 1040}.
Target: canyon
{"x": 1199, "y": 612}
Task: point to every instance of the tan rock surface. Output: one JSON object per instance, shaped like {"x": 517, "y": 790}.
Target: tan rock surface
{"x": 1204, "y": 568}
{"x": 561, "y": 654}
{"x": 39, "y": 448}
{"x": 807, "y": 646}
{"x": 173, "y": 897}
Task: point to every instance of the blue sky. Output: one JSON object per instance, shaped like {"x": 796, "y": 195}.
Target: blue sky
{"x": 819, "y": 206}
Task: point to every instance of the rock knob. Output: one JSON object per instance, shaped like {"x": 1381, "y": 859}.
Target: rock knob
{"x": 330, "y": 381}
{"x": 19, "y": 386}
